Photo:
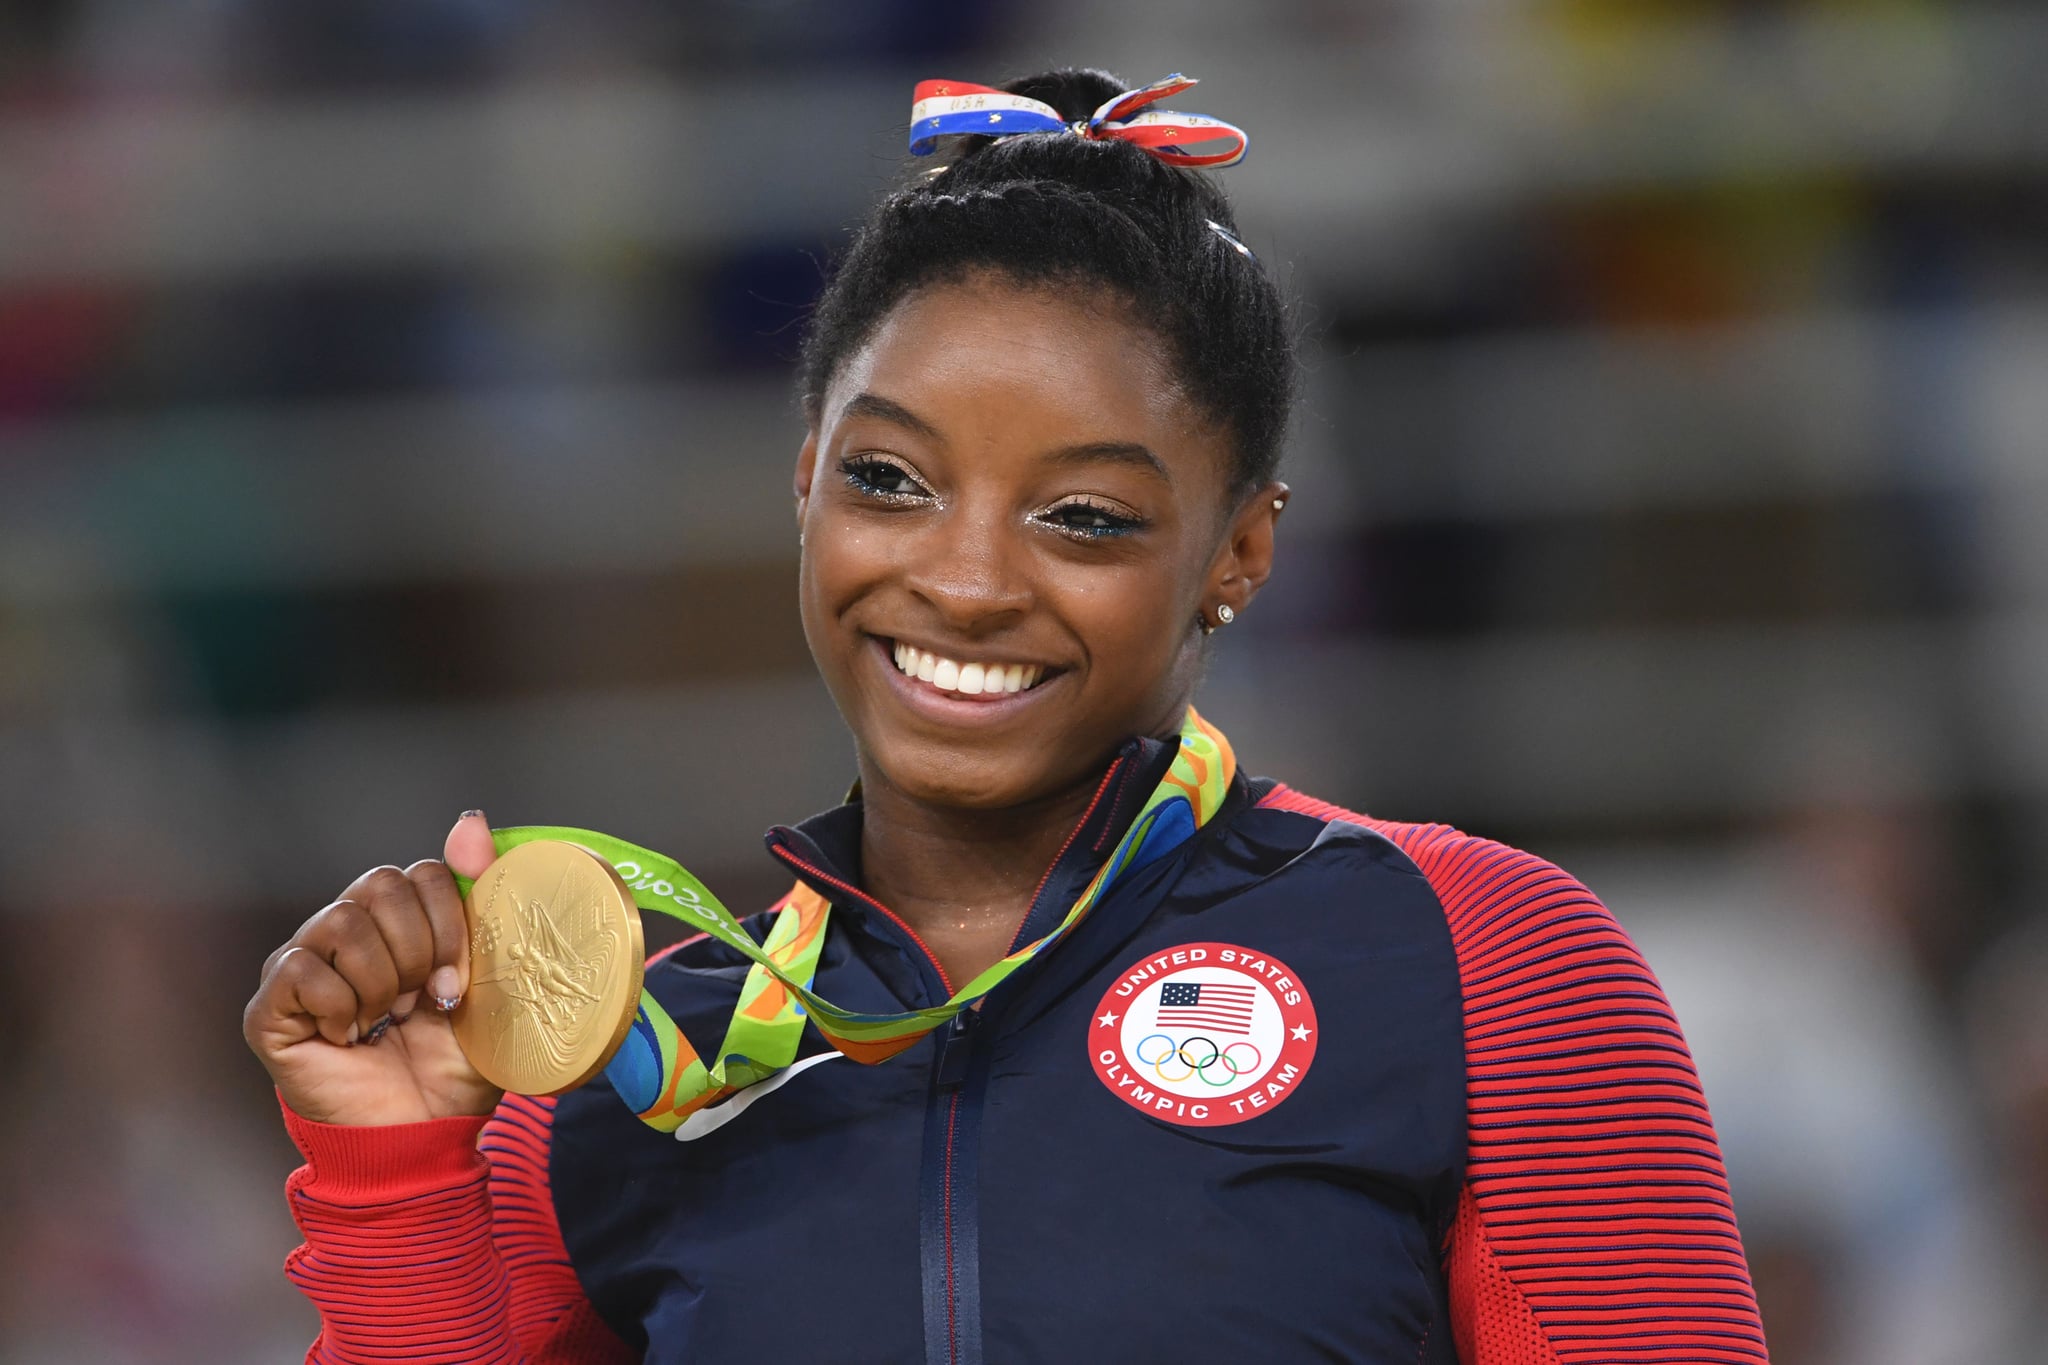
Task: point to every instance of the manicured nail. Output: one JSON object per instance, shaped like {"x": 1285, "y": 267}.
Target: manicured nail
{"x": 355, "y": 1031}
{"x": 446, "y": 1003}
{"x": 468, "y": 813}
{"x": 377, "y": 1030}
{"x": 445, "y": 985}
{"x": 404, "y": 1005}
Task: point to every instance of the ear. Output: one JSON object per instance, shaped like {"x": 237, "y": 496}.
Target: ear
{"x": 806, "y": 470}
{"x": 1245, "y": 559}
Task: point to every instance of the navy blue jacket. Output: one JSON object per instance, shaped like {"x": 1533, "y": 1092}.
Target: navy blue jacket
{"x": 1311, "y": 1087}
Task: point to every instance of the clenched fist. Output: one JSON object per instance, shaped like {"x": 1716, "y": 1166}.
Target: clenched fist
{"x": 351, "y": 1018}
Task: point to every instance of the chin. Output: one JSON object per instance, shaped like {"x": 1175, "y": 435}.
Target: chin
{"x": 970, "y": 772}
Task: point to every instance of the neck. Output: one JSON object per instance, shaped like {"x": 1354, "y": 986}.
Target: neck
{"x": 963, "y": 879}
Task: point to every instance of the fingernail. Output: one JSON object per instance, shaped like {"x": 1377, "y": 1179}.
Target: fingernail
{"x": 404, "y": 1005}
{"x": 377, "y": 1030}
{"x": 445, "y": 986}
{"x": 468, "y": 813}
{"x": 355, "y": 1031}
{"x": 446, "y": 1003}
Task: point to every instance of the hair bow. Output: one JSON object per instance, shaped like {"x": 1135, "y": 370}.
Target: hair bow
{"x": 946, "y": 108}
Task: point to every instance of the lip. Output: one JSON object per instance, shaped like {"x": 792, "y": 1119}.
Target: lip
{"x": 952, "y": 708}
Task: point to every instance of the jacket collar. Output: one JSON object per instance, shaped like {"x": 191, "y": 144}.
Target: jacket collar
{"x": 824, "y": 851}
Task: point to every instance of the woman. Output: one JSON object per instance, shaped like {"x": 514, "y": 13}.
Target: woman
{"x": 1299, "y": 1084}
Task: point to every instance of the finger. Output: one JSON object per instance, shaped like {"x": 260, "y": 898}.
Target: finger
{"x": 469, "y": 849}
{"x": 303, "y": 997}
{"x": 393, "y": 900}
{"x": 435, "y": 885}
{"x": 298, "y": 938}
{"x": 347, "y": 937}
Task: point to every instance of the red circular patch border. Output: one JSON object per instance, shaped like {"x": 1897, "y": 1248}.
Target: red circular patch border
{"x": 1281, "y": 1078}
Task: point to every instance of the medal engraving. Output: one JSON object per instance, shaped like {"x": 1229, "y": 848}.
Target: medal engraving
{"x": 554, "y": 969}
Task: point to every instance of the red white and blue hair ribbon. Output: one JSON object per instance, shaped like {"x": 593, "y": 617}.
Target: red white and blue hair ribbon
{"x": 951, "y": 108}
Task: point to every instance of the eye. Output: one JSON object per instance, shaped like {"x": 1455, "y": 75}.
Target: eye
{"x": 878, "y": 477}
{"x": 1091, "y": 519}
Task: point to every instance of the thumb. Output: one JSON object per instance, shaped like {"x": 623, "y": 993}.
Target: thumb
{"x": 469, "y": 849}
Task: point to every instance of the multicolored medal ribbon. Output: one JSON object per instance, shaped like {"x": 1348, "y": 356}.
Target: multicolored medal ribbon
{"x": 947, "y": 108}
{"x": 664, "y": 1079}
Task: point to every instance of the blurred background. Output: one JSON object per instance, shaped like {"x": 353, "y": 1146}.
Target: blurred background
{"x": 395, "y": 418}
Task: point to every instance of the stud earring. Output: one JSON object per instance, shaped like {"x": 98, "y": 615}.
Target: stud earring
{"x": 1224, "y": 615}
{"x": 1279, "y": 504}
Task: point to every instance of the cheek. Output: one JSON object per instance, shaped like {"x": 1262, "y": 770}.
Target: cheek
{"x": 845, "y": 564}
{"x": 1134, "y": 621}
{"x": 842, "y": 562}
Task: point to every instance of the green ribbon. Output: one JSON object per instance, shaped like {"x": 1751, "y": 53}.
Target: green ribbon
{"x": 665, "y": 1080}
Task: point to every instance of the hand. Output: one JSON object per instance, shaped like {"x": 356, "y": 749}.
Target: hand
{"x": 351, "y": 1018}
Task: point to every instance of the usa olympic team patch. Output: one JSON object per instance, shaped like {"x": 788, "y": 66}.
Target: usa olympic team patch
{"x": 1204, "y": 1034}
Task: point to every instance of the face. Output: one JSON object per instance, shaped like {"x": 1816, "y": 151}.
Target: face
{"x": 1013, "y": 523}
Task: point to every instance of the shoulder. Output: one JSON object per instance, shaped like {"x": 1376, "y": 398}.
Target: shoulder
{"x": 1542, "y": 963}
{"x": 1506, "y": 909}
{"x": 1590, "y": 1152}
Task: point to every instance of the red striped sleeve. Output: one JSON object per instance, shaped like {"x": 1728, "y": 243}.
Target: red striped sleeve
{"x": 1595, "y": 1223}
{"x": 551, "y": 1319}
{"x": 437, "y": 1242}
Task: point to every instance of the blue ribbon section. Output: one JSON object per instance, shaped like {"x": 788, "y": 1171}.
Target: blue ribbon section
{"x": 926, "y": 132}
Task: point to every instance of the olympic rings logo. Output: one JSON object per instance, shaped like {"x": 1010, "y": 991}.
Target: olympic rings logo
{"x": 1218, "y": 1057}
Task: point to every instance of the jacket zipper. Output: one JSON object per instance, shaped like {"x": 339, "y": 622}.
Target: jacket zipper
{"x": 952, "y": 1255}
{"x": 949, "y": 1231}
{"x": 943, "y": 1246}
{"x": 950, "y": 1241}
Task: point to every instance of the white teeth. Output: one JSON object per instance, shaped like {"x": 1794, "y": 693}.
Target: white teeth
{"x": 969, "y": 680}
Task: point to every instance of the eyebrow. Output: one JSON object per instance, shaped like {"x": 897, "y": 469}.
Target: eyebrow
{"x": 888, "y": 410}
{"x": 1113, "y": 452}
{"x": 865, "y": 404}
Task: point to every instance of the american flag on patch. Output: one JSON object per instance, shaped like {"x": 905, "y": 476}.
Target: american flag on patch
{"x": 1207, "y": 1005}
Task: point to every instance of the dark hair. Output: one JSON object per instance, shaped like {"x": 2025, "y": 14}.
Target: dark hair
{"x": 1059, "y": 210}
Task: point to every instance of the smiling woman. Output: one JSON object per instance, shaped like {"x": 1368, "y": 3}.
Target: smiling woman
{"x": 1003, "y": 478}
{"x": 1358, "y": 1090}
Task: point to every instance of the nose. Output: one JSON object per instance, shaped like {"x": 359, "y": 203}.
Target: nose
{"x": 973, "y": 569}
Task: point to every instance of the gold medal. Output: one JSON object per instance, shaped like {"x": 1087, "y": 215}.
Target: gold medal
{"x": 555, "y": 960}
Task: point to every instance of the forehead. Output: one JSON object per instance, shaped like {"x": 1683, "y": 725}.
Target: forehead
{"x": 982, "y": 359}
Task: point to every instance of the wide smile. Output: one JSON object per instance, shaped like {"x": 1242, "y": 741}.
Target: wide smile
{"x": 962, "y": 689}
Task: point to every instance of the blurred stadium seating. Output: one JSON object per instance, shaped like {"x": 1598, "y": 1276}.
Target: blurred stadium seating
{"x": 395, "y": 418}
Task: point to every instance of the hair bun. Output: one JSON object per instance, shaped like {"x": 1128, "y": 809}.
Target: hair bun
{"x": 1075, "y": 91}
{"x": 1102, "y": 215}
